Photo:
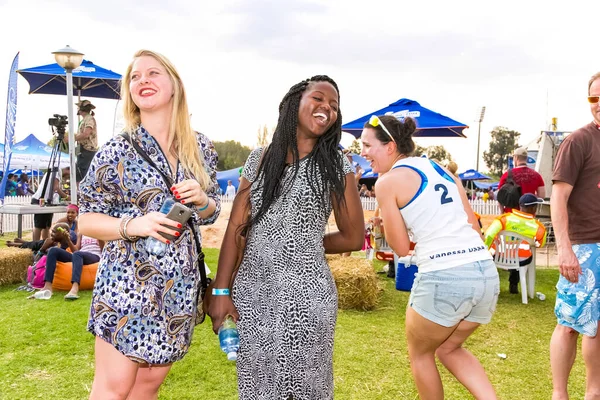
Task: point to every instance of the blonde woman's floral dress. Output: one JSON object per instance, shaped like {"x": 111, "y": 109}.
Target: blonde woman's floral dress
{"x": 142, "y": 304}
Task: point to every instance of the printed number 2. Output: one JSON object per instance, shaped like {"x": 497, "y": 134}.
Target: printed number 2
{"x": 445, "y": 199}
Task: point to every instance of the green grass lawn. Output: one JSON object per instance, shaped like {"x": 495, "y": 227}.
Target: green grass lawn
{"x": 45, "y": 351}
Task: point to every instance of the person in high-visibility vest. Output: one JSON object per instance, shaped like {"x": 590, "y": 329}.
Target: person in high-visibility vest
{"x": 520, "y": 221}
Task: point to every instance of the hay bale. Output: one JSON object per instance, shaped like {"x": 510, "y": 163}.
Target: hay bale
{"x": 356, "y": 281}
{"x": 13, "y": 264}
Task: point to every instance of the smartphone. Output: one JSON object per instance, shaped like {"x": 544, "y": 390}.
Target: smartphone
{"x": 179, "y": 213}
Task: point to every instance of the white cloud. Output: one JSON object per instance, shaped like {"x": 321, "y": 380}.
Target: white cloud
{"x": 525, "y": 63}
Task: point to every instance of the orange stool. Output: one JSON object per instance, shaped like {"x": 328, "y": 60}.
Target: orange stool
{"x": 62, "y": 276}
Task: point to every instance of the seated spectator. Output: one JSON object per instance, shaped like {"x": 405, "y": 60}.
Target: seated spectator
{"x": 520, "y": 221}
{"x": 71, "y": 220}
{"x": 86, "y": 251}
{"x": 71, "y": 225}
{"x": 41, "y": 246}
{"x": 23, "y": 188}
{"x": 363, "y": 190}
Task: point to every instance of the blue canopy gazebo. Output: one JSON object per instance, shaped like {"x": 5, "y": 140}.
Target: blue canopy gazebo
{"x": 473, "y": 175}
{"x": 32, "y": 153}
{"x": 429, "y": 123}
{"x": 89, "y": 80}
{"x": 232, "y": 175}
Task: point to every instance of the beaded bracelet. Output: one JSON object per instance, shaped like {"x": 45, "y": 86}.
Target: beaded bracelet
{"x": 206, "y": 206}
{"x": 220, "y": 292}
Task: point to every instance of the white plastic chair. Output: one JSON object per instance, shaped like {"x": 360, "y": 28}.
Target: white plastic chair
{"x": 506, "y": 257}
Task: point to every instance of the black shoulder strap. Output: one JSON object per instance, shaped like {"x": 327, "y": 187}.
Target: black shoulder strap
{"x": 509, "y": 177}
{"x": 169, "y": 183}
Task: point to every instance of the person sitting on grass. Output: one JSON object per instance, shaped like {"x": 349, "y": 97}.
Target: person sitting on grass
{"x": 85, "y": 252}
{"x": 520, "y": 221}
{"x": 41, "y": 246}
{"x": 71, "y": 220}
{"x": 35, "y": 245}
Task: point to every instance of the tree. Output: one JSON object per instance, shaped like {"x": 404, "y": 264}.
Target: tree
{"x": 232, "y": 154}
{"x": 503, "y": 143}
{"x": 264, "y": 136}
{"x": 419, "y": 151}
{"x": 355, "y": 147}
{"x": 63, "y": 147}
{"x": 439, "y": 154}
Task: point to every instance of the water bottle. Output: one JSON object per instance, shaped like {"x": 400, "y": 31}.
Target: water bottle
{"x": 229, "y": 339}
{"x": 541, "y": 296}
{"x": 153, "y": 245}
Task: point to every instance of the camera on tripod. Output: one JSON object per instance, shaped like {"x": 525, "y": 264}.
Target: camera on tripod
{"x": 59, "y": 121}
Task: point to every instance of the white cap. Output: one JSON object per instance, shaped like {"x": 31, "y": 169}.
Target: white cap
{"x": 232, "y": 356}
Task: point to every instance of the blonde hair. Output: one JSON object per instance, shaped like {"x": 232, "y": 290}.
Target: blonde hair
{"x": 181, "y": 141}
{"x": 452, "y": 167}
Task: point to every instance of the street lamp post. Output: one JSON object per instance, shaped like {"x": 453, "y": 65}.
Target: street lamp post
{"x": 70, "y": 59}
{"x": 482, "y": 113}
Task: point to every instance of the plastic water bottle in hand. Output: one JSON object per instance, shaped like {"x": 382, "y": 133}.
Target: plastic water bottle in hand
{"x": 153, "y": 245}
{"x": 229, "y": 339}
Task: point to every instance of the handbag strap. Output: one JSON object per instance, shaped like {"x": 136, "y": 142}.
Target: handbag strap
{"x": 509, "y": 177}
{"x": 169, "y": 183}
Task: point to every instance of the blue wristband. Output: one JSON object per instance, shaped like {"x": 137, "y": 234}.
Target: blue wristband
{"x": 205, "y": 207}
{"x": 220, "y": 292}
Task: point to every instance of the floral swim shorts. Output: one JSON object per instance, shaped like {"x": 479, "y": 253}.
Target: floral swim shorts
{"x": 577, "y": 304}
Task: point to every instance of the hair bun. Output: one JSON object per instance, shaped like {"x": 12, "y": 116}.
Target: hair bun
{"x": 410, "y": 127}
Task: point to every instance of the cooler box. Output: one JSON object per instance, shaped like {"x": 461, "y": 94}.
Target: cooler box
{"x": 405, "y": 272}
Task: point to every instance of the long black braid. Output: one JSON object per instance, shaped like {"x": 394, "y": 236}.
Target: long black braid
{"x": 325, "y": 158}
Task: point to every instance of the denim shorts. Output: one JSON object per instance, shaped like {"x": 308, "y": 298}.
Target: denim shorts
{"x": 468, "y": 292}
{"x": 578, "y": 304}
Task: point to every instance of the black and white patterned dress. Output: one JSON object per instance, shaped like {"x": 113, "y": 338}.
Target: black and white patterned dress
{"x": 286, "y": 296}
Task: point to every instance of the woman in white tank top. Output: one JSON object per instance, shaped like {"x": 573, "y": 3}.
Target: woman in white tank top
{"x": 457, "y": 286}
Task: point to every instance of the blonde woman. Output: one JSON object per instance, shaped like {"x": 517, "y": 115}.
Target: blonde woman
{"x": 143, "y": 306}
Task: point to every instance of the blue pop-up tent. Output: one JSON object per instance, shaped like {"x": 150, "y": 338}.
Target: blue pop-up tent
{"x": 232, "y": 175}
{"x": 32, "y": 153}
{"x": 89, "y": 80}
{"x": 486, "y": 185}
{"x": 429, "y": 123}
{"x": 473, "y": 175}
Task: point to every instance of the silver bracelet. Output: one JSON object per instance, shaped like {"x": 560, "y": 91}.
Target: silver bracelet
{"x": 125, "y": 235}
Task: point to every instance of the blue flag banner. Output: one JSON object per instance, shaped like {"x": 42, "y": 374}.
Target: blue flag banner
{"x": 11, "y": 118}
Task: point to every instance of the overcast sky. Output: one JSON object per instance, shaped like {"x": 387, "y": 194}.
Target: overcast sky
{"x": 525, "y": 63}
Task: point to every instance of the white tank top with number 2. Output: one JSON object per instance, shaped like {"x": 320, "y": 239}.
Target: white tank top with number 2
{"x": 437, "y": 221}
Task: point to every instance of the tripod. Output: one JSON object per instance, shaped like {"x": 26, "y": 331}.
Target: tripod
{"x": 53, "y": 165}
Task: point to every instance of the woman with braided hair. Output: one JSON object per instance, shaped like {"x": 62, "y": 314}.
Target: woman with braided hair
{"x": 284, "y": 298}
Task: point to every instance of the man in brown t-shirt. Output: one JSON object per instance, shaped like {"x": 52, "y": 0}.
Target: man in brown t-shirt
{"x": 575, "y": 209}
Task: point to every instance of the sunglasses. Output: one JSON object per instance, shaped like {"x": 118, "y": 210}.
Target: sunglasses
{"x": 375, "y": 122}
{"x": 593, "y": 99}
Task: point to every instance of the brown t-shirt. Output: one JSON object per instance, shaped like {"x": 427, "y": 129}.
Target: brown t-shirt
{"x": 578, "y": 164}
